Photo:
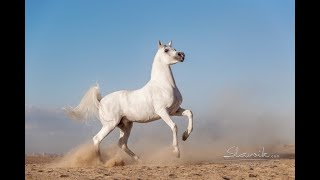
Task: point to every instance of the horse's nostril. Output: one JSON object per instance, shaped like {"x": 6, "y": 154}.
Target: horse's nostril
{"x": 179, "y": 54}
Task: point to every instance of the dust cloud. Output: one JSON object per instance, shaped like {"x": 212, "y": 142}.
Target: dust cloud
{"x": 84, "y": 155}
{"x": 232, "y": 120}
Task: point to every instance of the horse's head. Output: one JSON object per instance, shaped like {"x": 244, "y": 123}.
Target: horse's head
{"x": 169, "y": 55}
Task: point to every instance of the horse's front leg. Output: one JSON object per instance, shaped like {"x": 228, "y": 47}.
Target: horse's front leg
{"x": 163, "y": 113}
{"x": 188, "y": 113}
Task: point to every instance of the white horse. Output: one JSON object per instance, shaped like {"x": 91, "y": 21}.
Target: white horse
{"x": 159, "y": 98}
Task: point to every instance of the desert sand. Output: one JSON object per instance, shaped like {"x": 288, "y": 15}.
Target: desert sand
{"x": 81, "y": 163}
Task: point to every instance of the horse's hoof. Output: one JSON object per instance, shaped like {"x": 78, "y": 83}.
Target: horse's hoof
{"x": 185, "y": 136}
{"x": 99, "y": 161}
{"x": 137, "y": 159}
{"x": 176, "y": 153}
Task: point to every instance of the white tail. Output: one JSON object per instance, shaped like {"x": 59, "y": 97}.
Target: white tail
{"x": 88, "y": 106}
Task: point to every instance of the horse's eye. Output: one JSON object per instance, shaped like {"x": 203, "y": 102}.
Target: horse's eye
{"x": 166, "y": 50}
{"x": 174, "y": 49}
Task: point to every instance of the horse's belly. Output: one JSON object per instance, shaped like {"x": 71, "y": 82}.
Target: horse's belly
{"x": 142, "y": 117}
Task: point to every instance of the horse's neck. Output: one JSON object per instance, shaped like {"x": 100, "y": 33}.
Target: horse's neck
{"x": 162, "y": 74}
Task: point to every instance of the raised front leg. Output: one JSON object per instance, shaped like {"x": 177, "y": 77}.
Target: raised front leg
{"x": 188, "y": 113}
{"x": 166, "y": 117}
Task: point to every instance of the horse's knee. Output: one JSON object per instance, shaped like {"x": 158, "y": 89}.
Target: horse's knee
{"x": 174, "y": 128}
{"x": 187, "y": 113}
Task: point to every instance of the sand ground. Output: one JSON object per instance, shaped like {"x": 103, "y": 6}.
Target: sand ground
{"x": 41, "y": 167}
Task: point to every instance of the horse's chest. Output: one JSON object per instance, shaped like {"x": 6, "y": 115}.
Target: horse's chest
{"x": 175, "y": 101}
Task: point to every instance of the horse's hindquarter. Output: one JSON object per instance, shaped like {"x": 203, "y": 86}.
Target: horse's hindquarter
{"x": 110, "y": 107}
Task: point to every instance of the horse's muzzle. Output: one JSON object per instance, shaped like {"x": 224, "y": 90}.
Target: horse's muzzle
{"x": 181, "y": 55}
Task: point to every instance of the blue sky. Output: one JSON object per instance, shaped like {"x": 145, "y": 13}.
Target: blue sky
{"x": 238, "y": 46}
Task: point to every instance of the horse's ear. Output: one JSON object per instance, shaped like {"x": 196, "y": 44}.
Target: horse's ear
{"x": 160, "y": 44}
{"x": 170, "y": 43}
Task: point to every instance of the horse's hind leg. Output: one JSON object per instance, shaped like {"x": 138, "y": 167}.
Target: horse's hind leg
{"x": 125, "y": 129}
{"x": 105, "y": 130}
